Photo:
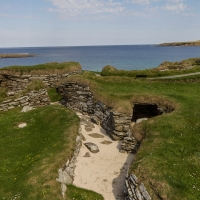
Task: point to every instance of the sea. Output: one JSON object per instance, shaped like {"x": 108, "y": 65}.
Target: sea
{"x": 94, "y": 58}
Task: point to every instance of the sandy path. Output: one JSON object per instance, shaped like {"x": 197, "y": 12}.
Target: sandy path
{"x": 105, "y": 171}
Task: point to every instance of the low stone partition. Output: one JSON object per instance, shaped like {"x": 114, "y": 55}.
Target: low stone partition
{"x": 17, "y": 83}
{"x": 66, "y": 173}
{"x": 33, "y": 99}
{"x": 134, "y": 190}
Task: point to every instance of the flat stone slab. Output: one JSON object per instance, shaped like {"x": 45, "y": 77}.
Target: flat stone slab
{"x": 140, "y": 120}
{"x": 92, "y": 147}
{"x": 87, "y": 155}
{"x": 96, "y": 135}
{"x": 88, "y": 129}
{"x": 27, "y": 108}
{"x": 106, "y": 142}
{"x": 22, "y": 125}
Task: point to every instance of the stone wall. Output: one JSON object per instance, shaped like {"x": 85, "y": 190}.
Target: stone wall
{"x": 78, "y": 97}
{"x": 33, "y": 99}
{"x": 134, "y": 190}
{"x": 66, "y": 173}
{"x": 17, "y": 83}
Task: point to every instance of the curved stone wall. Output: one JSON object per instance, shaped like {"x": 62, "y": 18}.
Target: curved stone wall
{"x": 17, "y": 83}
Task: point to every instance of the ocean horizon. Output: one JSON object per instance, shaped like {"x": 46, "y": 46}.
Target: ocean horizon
{"x": 94, "y": 58}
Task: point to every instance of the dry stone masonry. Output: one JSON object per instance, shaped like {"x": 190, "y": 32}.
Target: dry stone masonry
{"x": 17, "y": 83}
{"x": 135, "y": 191}
{"x": 66, "y": 174}
{"x": 32, "y": 99}
{"x": 78, "y": 97}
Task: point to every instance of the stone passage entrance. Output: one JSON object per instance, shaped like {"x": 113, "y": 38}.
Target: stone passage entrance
{"x": 145, "y": 110}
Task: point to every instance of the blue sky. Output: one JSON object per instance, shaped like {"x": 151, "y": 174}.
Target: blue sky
{"x": 97, "y": 22}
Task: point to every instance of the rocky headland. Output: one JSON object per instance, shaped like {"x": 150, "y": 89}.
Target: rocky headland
{"x": 16, "y": 55}
{"x": 191, "y": 43}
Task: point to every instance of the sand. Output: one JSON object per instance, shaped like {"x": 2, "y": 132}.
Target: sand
{"x": 103, "y": 172}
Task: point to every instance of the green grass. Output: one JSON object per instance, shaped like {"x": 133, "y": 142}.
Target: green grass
{"x": 47, "y": 68}
{"x": 74, "y": 193}
{"x": 54, "y": 95}
{"x": 31, "y": 156}
{"x": 3, "y": 95}
{"x": 169, "y": 158}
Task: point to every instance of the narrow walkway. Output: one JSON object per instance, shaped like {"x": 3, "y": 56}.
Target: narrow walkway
{"x": 103, "y": 172}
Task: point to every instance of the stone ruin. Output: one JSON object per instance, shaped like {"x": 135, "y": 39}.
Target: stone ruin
{"x": 78, "y": 97}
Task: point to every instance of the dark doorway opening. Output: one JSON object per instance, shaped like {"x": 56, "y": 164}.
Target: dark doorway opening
{"x": 145, "y": 110}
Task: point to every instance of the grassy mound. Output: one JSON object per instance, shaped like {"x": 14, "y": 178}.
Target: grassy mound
{"x": 48, "y": 68}
{"x": 164, "y": 69}
{"x": 182, "y": 65}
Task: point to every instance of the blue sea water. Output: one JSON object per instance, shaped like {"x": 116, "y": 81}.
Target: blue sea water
{"x": 128, "y": 57}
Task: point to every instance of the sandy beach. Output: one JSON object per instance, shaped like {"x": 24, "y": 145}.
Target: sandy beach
{"x": 103, "y": 172}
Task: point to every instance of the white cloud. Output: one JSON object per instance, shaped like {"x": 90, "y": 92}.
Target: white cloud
{"x": 176, "y": 1}
{"x": 88, "y": 7}
{"x": 178, "y": 7}
{"x": 142, "y": 2}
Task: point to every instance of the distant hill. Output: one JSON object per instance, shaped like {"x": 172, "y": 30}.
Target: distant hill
{"x": 192, "y": 43}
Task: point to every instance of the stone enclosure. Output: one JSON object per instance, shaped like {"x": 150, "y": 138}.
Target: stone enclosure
{"x": 17, "y": 83}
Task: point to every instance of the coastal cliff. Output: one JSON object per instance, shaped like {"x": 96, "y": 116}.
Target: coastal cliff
{"x": 191, "y": 43}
